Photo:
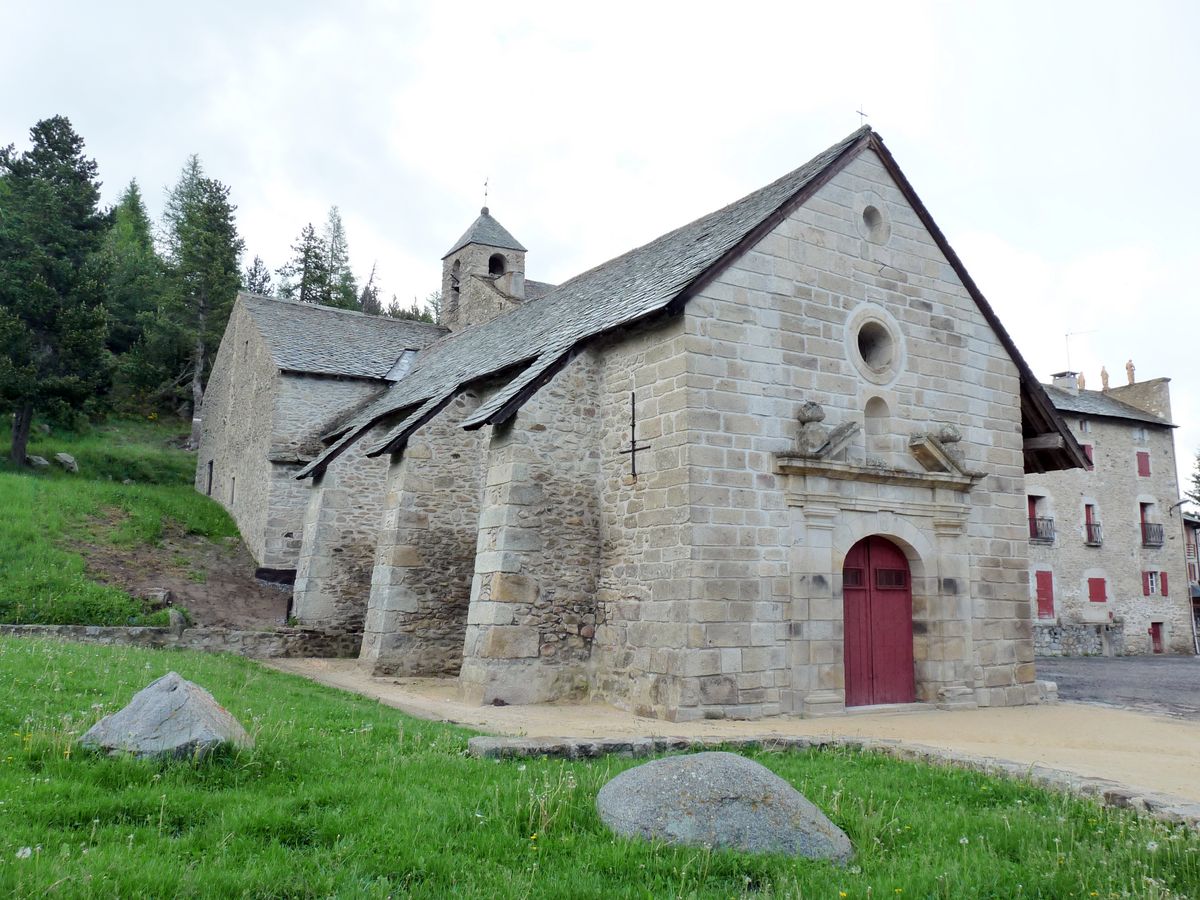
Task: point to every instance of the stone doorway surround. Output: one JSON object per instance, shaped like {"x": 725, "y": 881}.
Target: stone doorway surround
{"x": 834, "y": 505}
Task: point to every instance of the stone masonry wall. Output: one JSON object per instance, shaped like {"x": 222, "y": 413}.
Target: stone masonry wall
{"x": 1079, "y": 639}
{"x": 305, "y": 404}
{"x": 341, "y": 531}
{"x": 1116, "y": 491}
{"x": 779, "y": 328}
{"x": 235, "y": 431}
{"x": 480, "y": 297}
{"x": 643, "y": 584}
{"x": 533, "y": 597}
{"x": 421, "y": 580}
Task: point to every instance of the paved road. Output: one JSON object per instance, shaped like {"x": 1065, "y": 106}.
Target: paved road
{"x": 1158, "y": 684}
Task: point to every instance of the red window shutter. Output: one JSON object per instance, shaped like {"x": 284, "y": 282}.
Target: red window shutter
{"x": 1045, "y": 595}
{"x": 1087, "y": 451}
{"x": 1096, "y": 591}
{"x": 1143, "y": 463}
{"x": 1162, "y": 578}
{"x": 1145, "y": 584}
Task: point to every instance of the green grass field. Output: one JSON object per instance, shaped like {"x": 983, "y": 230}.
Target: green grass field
{"x": 41, "y": 579}
{"x": 345, "y": 797}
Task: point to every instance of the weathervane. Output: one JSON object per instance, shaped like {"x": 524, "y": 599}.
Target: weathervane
{"x": 633, "y": 447}
{"x": 485, "y": 190}
{"x": 862, "y": 116}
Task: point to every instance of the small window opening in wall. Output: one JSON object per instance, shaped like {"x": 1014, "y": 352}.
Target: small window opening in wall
{"x": 1093, "y": 536}
{"x": 1097, "y": 590}
{"x": 1087, "y": 452}
{"x": 496, "y": 264}
{"x": 1084, "y": 426}
{"x": 875, "y": 345}
{"x": 876, "y": 414}
{"x": 232, "y": 489}
{"x": 208, "y": 485}
{"x": 1149, "y": 584}
{"x": 1143, "y": 464}
{"x": 873, "y": 219}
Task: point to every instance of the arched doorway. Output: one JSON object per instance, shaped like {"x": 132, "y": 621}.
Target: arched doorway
{"x": 878, "y": 636}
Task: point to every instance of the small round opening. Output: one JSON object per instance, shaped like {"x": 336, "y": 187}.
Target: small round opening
{"x": 872, "y": 218}
{"x": 496, "y": 264}
{"x": 875, "y": 345}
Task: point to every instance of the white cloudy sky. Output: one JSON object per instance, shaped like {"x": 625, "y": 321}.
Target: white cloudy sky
{"x": 1055, "y": 142}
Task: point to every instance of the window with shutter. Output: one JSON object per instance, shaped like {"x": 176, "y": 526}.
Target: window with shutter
{"x": 1143, "y": 464}
{"x": 1162, "y": 580}
{"x": 1045, "y": 595}
{"x": 1096, "y": 590}
{"x": 1087, "y": 451}
{"x": 1149, "y": 584}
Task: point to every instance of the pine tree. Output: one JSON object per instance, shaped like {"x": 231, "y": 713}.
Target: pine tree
{"x": 306, "y": 276}
{"x": 52, "y": 317}
{"x": 340, "y": 289}
{"x": 368, "y": 300}
{"x": 202, "y": 249}
{"x": 257, "y": 278}
{"x": 136, "y": 274}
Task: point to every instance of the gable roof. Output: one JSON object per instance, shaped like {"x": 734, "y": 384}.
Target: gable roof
{"x": 540, "y": 337}
{"x": 1098, "y": 403}
{"x": 322, "y": 340}
{"x": 487, "y": 231}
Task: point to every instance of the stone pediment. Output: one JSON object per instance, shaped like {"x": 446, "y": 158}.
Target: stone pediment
{"x": 837, "y": 470}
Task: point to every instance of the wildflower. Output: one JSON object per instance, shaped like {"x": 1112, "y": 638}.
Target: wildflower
{"x": 1151, "y": 846}
{"x": 842, "y": 894}
{"x": 25, "y": 853}
{"x": 964, "y": 840}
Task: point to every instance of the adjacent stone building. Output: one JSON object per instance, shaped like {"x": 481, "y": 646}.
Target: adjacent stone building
{"x": 283, "y": 371}
{"x": 1106, "y": 543}
{"x": 771, "y": 462}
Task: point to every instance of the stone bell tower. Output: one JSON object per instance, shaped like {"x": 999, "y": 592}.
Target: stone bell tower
{"x": 483, "y": 275}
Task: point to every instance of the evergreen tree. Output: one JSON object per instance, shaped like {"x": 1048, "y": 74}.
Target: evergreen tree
{"x": 368, "y": 300}
{"x": 339, "y": 289}
{"x": 136, "y": 274}
{"x": 257, "y": 278}
{"x": 416, "y": 311}
{"x": 52, "y": 317}
{"x": 306, "y": 276}
{"x": 202, "y": 250}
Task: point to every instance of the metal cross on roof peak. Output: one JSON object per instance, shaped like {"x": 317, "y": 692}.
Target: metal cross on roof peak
{"x": 862, "y": 116}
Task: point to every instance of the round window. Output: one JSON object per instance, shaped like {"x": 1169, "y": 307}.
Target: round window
{"x": 875, "y": 345}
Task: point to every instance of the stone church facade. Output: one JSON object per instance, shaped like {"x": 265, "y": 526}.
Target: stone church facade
{"x": 771, "y": 462}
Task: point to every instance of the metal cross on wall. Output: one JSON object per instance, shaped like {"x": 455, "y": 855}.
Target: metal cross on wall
{"x": 633, "y": 447}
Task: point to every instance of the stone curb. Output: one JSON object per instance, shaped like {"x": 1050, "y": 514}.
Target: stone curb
{"x": 277, "y": 644}
{"x": 1165, "y": 808}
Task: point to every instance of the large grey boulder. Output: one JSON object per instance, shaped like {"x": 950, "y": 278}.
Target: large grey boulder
{"x": 67, "y": 461}
{"x": 719, "y": 800}
{"x": 169, "y": 717}
{"x": 38, "y": 462}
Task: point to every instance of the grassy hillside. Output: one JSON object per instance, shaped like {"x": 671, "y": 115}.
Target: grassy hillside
{"x": 345, "y": 797}
{"x": 47, "y": 511}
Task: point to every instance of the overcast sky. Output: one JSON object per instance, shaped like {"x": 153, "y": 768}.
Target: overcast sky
{"x": 1055, "y": 143}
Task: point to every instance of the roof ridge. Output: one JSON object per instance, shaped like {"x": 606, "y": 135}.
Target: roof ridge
{"x": 338, "y": 309}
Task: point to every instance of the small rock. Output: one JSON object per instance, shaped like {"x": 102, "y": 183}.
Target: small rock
{"x": 169, "y": 717}
{"x": 67, "y": 461}
{"x": 719, "y": 800}
{"x": 38, "y": 462}
{"x": 42, "y": 428}
{"x": 126, "y": 481}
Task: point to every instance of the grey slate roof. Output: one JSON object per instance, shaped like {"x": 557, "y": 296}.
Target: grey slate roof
{"x": 304, "y": 337}
{"x": 487, "y": 231}
{"x": 536, "y": 289}
{"x": 540, "y": 332}
{"x": 1098, "y": 403}
{"x": 531, "y": 343}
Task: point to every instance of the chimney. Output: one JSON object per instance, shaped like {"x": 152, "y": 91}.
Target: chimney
{"x": 1066, "y": 381}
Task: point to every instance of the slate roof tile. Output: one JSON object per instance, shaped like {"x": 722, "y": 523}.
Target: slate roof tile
{"x": 487, "y": 231}
{"x": 1098, "y": 403}
{"x": 322, "y": 340}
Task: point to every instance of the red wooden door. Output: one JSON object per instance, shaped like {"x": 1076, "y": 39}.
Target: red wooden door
{"x": 878, "y": 642}
{"x": 1156, "y": 637}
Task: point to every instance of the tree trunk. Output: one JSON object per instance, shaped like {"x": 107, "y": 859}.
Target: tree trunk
{"x": 197, "y": 392}
{"x": 22, "y": 422}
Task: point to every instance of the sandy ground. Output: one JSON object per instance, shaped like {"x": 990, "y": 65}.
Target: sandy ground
{"x": 1132, "y": 748}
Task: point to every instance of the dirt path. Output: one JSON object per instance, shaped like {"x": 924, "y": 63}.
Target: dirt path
{"x": 1136, "y": 749}
{"x": 213, "y": 580}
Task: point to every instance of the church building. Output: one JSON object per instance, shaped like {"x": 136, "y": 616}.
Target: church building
{"x": 770, "y": 462}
